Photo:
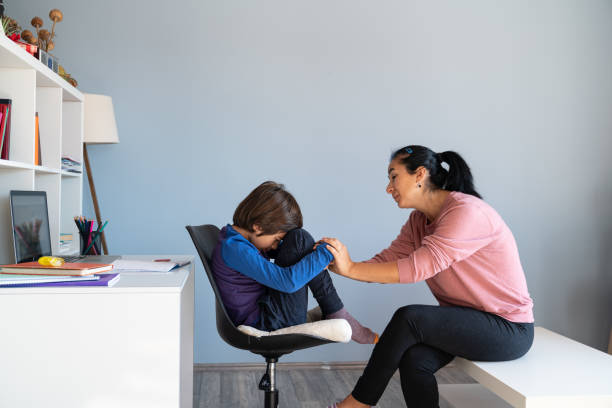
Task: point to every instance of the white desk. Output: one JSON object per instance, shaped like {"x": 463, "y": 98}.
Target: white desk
{"x": 130, "y": 345}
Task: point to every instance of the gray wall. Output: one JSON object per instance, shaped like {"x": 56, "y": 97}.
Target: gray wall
{"x": 213, "y": 98}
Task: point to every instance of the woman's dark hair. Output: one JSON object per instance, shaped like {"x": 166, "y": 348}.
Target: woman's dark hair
{"x": 458, "y": 177}
{"x": 271, "y": 207}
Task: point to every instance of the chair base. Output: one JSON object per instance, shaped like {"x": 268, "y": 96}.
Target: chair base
{"x": 271, "y": 399}
{"x": 268, "y": 384}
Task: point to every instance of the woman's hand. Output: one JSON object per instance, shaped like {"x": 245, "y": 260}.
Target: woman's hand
{"x": 342, "y": 261}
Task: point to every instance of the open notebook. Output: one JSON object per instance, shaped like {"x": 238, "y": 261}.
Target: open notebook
{"x": 161, "y": 265}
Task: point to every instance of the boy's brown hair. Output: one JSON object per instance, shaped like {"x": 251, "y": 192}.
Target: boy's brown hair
{"x": 271, "y": 207}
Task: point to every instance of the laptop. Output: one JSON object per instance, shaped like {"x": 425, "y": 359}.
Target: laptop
{"x": 30, "y": 225}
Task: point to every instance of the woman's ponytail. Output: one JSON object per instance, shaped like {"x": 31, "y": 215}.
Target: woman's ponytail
{"x": 458, "y": 177}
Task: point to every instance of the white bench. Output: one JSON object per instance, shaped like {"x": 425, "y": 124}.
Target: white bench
{"x": 557, "y": 372}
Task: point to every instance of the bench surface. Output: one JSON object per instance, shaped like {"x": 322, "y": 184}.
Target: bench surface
{"x": 556, "y": 371}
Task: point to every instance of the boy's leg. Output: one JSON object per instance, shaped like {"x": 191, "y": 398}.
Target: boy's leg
{"x": 280, "y": 309}
{"x": 299, "y": 243}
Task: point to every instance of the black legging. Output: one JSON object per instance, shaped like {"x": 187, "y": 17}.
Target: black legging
{"x": 419, "y": 340}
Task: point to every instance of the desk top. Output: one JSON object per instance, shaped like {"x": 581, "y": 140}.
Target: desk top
{"x": 129, "y": 282}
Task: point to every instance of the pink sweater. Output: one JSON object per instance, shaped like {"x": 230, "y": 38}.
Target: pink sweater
{"x": 467, "y": 256}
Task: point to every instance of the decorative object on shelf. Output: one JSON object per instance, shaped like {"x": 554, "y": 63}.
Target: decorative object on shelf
{"x": 40, "y": 45}
{"x": 30, "y": 48}
{"x": 5, "y": 128}
{"x": 11, "y": 28}
{"x": 48, "y": 60}
{"x": 67, "y": 77}
{"x": 44, "y": 38}
{"x": 100, "y": 128}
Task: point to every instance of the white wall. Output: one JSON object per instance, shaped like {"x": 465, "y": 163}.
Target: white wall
{"x": 214, "y": 97}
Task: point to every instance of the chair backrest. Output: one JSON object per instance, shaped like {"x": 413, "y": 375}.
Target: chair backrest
{"x": 205, "y": 238}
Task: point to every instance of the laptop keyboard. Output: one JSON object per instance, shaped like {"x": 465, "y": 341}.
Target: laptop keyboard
{"x": 71, "y": 259}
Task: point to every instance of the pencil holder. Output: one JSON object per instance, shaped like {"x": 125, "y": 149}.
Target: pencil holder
{"x": 94, "y": 249}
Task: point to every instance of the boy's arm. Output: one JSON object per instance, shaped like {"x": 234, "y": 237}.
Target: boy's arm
{"x": 245, "y": 259}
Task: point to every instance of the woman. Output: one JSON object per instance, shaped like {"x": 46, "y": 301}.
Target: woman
{"x": 467, "y": 255}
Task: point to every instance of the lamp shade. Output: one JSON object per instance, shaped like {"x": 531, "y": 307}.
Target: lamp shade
{"x": 100, "y": 125}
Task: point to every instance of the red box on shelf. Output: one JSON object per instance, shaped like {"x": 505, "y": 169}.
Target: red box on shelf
{"x": 31, "y": 48}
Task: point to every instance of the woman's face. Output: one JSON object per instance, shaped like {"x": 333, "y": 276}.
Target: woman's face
{"x": 402, "y": 185}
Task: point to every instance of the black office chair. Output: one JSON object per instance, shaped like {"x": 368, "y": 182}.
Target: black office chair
{"x": 205, "y": 238}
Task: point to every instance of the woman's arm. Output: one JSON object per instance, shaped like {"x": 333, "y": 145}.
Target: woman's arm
{"x": 386, "y": 272}
{"x": 403, "y": 245}
{"x": 462, "y": 231}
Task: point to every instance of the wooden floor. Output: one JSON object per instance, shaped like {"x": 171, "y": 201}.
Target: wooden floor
{"x": 299, "y": 386}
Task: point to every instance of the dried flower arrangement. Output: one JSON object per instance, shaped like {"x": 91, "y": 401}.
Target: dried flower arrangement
{"x": 44, "y": 38}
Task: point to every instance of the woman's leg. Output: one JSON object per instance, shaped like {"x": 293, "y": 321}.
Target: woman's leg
{"x": 417, "y": 368}
{"x": 458, "y": 331}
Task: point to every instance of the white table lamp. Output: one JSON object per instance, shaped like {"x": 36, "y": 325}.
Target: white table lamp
{"x": 100, "y": 128}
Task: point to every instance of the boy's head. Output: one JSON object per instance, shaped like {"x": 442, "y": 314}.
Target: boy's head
{"x": 269, "y": 209}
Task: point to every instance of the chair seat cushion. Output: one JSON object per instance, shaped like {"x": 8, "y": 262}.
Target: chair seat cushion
{"x": 337, "y": 330}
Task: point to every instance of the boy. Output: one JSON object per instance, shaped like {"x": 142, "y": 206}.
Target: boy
{"x": 266, "y": 295}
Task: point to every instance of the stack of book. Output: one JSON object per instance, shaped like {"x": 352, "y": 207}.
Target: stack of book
{"x": 71, "y": 165}
{"x": 65, "y": 241}
{"x": 5, "y": 128}
{"x": 69, "y": 274}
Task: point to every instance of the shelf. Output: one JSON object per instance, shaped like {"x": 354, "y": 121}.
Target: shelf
{"x": 10, "y": 164}
{"x": 47, "y": 170}
{"x": 34, "y": 88}
{"x": 13, "y": 56}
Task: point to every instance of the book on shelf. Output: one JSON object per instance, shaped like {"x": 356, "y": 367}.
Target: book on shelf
{"x": 37, "y": 154}
{"x": 73, "y": 269}
{"x": 71, "y": 165}
{"x": 22, "y": 280}
{"x": 5, "y": 128}
{"x": 65, "y": 246}
{"x": 108, "y": 280}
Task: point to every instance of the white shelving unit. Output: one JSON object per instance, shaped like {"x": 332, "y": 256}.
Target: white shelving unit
{"x": 33, "y": 87}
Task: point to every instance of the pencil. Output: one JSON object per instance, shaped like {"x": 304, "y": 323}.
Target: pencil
{"x": 96, "y": 236}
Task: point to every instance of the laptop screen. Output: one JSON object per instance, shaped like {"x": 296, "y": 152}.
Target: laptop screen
{"x": 30, "y": 219}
